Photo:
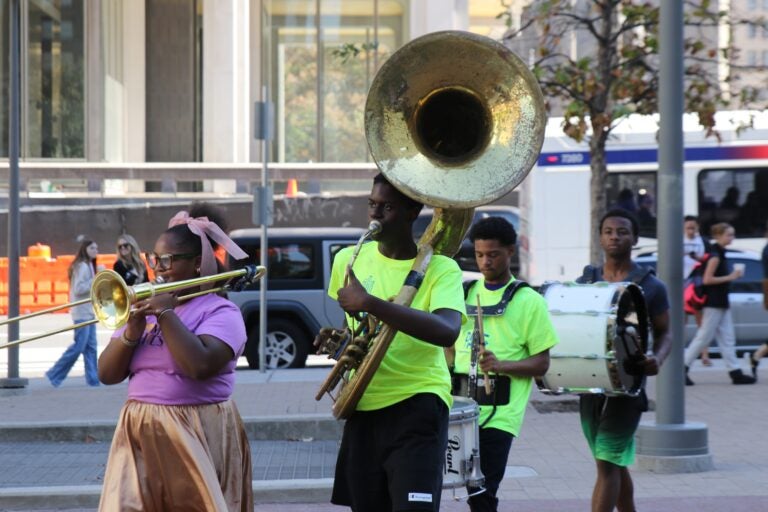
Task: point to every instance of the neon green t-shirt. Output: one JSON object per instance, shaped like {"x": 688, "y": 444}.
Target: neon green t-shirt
{"x": 410, "y": 366}
{"x": 524, "y": 330}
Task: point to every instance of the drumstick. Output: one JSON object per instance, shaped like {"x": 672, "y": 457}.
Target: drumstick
{"x": 481, "y": 337}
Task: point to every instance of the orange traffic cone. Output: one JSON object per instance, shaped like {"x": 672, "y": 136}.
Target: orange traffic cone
{"x": 292, "y": 190}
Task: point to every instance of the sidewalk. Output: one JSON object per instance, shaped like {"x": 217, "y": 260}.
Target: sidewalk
{"x": 53, "y": 445}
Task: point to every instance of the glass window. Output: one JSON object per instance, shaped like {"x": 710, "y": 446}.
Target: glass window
{"x": 335, "y": 248}
{"x": 322, "y": 59}
{"x": 488, "y": 17}
{"x": 634, "y": 192}
{"x": 752, "y": 58}
{"x": 5, "y": 93}
{"x": 55, "y": 79}
{"x": 751, "y": 281}
{"x": 736, "y": 196}
{"x": 288, "y": 261}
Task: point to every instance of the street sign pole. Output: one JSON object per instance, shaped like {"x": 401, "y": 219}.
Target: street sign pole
{"x": 262, "y": 212}
{"x": 14, "y": 238}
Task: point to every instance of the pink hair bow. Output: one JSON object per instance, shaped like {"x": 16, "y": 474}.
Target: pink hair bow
{"x": 201, "y": 226}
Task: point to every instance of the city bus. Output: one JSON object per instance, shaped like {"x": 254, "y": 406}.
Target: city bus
{"x": 723, "y": 181}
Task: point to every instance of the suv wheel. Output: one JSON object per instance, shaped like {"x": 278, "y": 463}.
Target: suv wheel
{"x": 287, "y": 346}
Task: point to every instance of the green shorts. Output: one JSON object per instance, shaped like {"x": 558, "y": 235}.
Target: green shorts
{"x": 609, "y": 424}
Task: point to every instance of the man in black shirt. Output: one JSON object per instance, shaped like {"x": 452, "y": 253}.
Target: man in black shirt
{"x": 609, "y": 423}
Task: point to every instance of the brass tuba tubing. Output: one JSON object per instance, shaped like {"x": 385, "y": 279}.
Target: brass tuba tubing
{"x": 112, "y": 298}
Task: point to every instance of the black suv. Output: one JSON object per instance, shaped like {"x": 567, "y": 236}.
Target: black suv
{"x": 298, "y": 269}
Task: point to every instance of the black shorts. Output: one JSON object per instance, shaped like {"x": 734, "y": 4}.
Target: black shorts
{"x": 392, "y": 459}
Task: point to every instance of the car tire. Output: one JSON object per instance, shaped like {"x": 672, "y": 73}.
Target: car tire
{"x": 287, "y": 346}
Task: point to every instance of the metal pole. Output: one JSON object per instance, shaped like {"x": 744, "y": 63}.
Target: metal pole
{"x": 264, "y": 239}
{"x": 670, "y": 396}
{"x": 14, "y": 239}
{"x": 670, "y": 445}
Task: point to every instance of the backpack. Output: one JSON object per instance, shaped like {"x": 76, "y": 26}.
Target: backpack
{"x": 694, "y": 297}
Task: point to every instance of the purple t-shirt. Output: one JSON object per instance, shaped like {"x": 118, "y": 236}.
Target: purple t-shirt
{"x": 156, "y": 378}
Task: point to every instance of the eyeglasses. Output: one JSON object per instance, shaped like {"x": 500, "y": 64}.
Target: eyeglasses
{"x": 123, "y": 246}
{"x": 165, "y": 261}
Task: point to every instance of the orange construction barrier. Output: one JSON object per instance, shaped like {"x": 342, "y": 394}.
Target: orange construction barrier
{"x": 43, "y": 281}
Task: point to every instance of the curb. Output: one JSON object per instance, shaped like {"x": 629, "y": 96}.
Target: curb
{"x": 320, "y": 427}
{"x": 87, "y": 496}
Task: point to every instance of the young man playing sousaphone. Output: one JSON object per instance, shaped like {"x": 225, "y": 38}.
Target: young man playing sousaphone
{"x": 609, "y": 423}
{"x": 517, "y": 334}
{"x": 393, "y": 447}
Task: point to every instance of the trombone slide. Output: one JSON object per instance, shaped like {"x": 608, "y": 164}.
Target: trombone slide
{"x": 112, "y": 299}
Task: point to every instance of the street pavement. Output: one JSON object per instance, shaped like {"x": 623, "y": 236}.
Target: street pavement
{"x": 54, "y": 444}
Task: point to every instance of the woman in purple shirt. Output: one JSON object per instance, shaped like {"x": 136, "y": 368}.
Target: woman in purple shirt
{"x": 180, "y": 442}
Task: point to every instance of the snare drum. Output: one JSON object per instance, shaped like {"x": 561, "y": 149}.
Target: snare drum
{"x": 602, "y": 328}
{"x": 462, "y": 455}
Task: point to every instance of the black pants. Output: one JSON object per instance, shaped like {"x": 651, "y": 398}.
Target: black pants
{"x": 494, "y": 451}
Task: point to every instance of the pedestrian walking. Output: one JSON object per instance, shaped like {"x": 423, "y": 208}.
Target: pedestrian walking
{"x": 716, "y": 319}
{"x": 81, "y": 272}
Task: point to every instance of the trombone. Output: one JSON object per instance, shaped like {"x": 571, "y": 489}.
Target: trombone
{"x": 112, "y": 299}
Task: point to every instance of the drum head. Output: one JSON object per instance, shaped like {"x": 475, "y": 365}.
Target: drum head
{"x": 630, "y": 341}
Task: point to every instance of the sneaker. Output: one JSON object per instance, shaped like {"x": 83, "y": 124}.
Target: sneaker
{"x": 738, "y": 377}
{"x": 751, "y": 363}
{"x": 688, "y": 381}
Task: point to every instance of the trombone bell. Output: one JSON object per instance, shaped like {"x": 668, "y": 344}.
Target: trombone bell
{"x": 111, "y": 299}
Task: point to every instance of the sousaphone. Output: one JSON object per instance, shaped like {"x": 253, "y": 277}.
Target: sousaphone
{"x": 454, "y": 120}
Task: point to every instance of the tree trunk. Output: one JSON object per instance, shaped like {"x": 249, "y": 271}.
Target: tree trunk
{"x": 597, "y": 195}
{"x": 600, "y": 116}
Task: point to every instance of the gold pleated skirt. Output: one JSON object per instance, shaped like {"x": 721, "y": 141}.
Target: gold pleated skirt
{"x": 178, "y": 457}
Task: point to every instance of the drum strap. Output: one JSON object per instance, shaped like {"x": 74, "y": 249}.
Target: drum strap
{"x": 496, "y": 309}
{"x": 593, "y": 274}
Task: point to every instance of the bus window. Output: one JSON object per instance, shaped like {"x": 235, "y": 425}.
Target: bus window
{"x": 736, "y": 196}
{"x": 634, "y": 192}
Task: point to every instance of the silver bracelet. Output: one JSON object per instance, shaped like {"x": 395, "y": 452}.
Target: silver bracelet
{"x": 160, "y": 315}
{"x": 127, "y": 342}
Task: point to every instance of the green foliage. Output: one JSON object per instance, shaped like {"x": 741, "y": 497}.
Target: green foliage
{"x": 618, "y": 73}
{"x": 348, "y": 51}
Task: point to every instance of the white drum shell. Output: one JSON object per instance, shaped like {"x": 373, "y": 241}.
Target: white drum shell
{"x": 582, "y": 358}
{"x": 463, "y": 443}
{"x": 584, "y": 317}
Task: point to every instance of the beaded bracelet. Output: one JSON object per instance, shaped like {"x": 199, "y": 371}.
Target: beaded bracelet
{"x": 160, "y": 315}
{"x": 127, "y": 342}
